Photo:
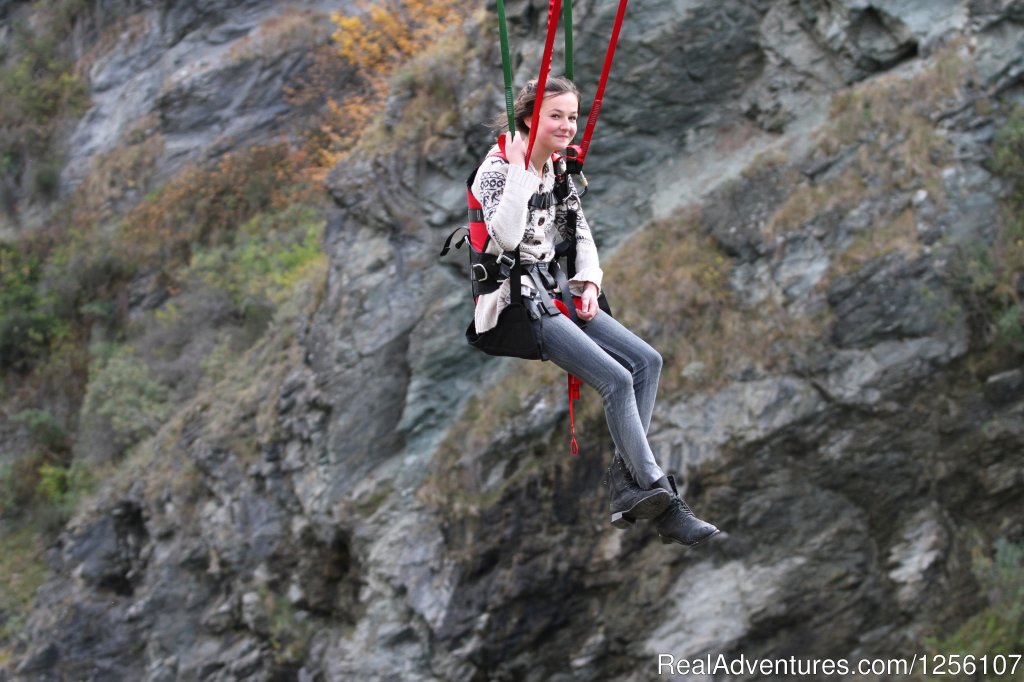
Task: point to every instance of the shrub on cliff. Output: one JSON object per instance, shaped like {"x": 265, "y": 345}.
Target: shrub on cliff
{"x": 27, "y": 324}
{"x": 997, "y": 277}
{"x": 40, "y": 89}
{"x": 397, "y": 50}
{"x": 999, "y": 629}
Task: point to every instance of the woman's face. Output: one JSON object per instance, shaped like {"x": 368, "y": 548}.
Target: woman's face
{"x": 557, "y": 125}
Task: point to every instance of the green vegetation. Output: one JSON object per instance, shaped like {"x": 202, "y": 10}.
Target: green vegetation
{"x": 246, "y": 231}
{"x": 999, "y": 628}
{"x": 40, "y": 90}
{"x": 989, "y": 278}
{"x": 269, "y": 255}
{"x": 1008, "y": 255}
{"x": 29, "y": 479}
{"x": 290, "y": 630}
{"x": 27, "y": 323}
{"x": 122, "y": 392}
{"x": 133, "y": 299}
{"x": 24, "y": 570}
{"x": 1008, "y": 148}
{"x": 43, "y": 429}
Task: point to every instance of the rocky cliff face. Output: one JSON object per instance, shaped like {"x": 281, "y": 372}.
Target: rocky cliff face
{"x": 370, "y": 500}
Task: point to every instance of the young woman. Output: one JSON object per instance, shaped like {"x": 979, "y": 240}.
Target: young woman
{"x": 599, "y": 350}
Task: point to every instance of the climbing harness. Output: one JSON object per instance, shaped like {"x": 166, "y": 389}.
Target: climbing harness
{"x": 519, "y": 332}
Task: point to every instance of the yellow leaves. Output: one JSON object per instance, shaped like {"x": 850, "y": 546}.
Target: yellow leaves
{"x": 384, "y": 34}
{"x": 341, "y": 126}
{"x": 376, "y": 39}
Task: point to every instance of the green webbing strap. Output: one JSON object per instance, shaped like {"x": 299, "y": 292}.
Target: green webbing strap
{"x": 567, "y": 27}
{"x": 506, "y": 67}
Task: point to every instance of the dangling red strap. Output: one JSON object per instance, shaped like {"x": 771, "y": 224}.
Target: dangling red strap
{"x": 574, "y": 394}
{"x": 574, "y": 388}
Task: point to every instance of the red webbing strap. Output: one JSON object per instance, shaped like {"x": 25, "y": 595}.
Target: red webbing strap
{"x": 574, "y": 394}
{"x": 609, "y": 56}
{"x": 574, "y": 385}
{"x": 554, "y": 10}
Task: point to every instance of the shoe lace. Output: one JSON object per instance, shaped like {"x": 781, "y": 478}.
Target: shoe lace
{"x": 680, "y": 503}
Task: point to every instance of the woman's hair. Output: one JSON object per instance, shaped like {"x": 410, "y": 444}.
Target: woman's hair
{"x": 527, "y": 97}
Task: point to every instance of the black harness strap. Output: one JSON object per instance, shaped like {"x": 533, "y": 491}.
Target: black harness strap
{"x": 542, "y": 201}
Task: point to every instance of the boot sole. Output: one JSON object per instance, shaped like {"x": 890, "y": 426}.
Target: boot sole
{"x": 665, "y": 540}
{"x": 647, "y": 508}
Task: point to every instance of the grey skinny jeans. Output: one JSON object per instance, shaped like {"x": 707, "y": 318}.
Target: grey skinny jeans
{"x": 624, "y": 369}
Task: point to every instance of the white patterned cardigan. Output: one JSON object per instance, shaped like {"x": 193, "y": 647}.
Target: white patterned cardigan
{"x": 503, "y": 191}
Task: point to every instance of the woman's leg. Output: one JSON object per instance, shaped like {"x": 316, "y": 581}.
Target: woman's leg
{"x": 633, "y": 353}
{"x": 575, "y": 351}
{"x": 600, "y": 354}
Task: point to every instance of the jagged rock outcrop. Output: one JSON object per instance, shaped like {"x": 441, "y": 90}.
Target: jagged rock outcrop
{"x": 204, "y": 78}
{"x": 357, "y": 512}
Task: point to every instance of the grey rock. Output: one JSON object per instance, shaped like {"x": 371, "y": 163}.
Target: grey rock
{"x": 916, "y": 559}
{"x": 254, "y": 613}
{"x": 693, "y": 432}
{"x": 1005, "y": 387}
{"x": 107, "y": 553}
{"x": 208, "y": 75}
{"x": 803, "y": 264}
{"x": 890, "y": 299}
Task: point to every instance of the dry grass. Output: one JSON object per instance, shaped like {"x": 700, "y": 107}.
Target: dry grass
{"x": 672, "y": 287}
{"x": 888, "y": 121}
{"x": 23, "y": 570}
{"x": 810, "y": 200}
{"x": 119, "y": 175}
{"x": 292, "y": 29}
{"x": 899, "y": 234}
{"x": 206, "y": 205}
{"x": 894, "y": 102}
{"x": 456, "y": 482}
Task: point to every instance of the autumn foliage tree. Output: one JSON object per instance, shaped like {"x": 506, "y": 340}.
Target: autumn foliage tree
{"x": 375, "y": 39}
{"x": 385, "y": 33}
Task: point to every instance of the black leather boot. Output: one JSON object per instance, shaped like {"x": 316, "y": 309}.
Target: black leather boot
{"x": 628, "y": 501}
{"x": 678, "y": 523}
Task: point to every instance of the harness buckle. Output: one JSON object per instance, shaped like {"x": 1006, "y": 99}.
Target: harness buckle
{"x": 572, "y": 159}
{"x": 481, "y": 274}
{"x": 506, "y": 260}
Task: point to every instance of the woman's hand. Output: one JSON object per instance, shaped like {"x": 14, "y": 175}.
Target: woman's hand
{"x": 588, "y": 303}
{"x": 515, "y": 150}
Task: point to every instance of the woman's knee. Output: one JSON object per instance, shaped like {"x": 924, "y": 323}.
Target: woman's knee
{"x": 652, "y": 360}
{"x": 618, "y": 381}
